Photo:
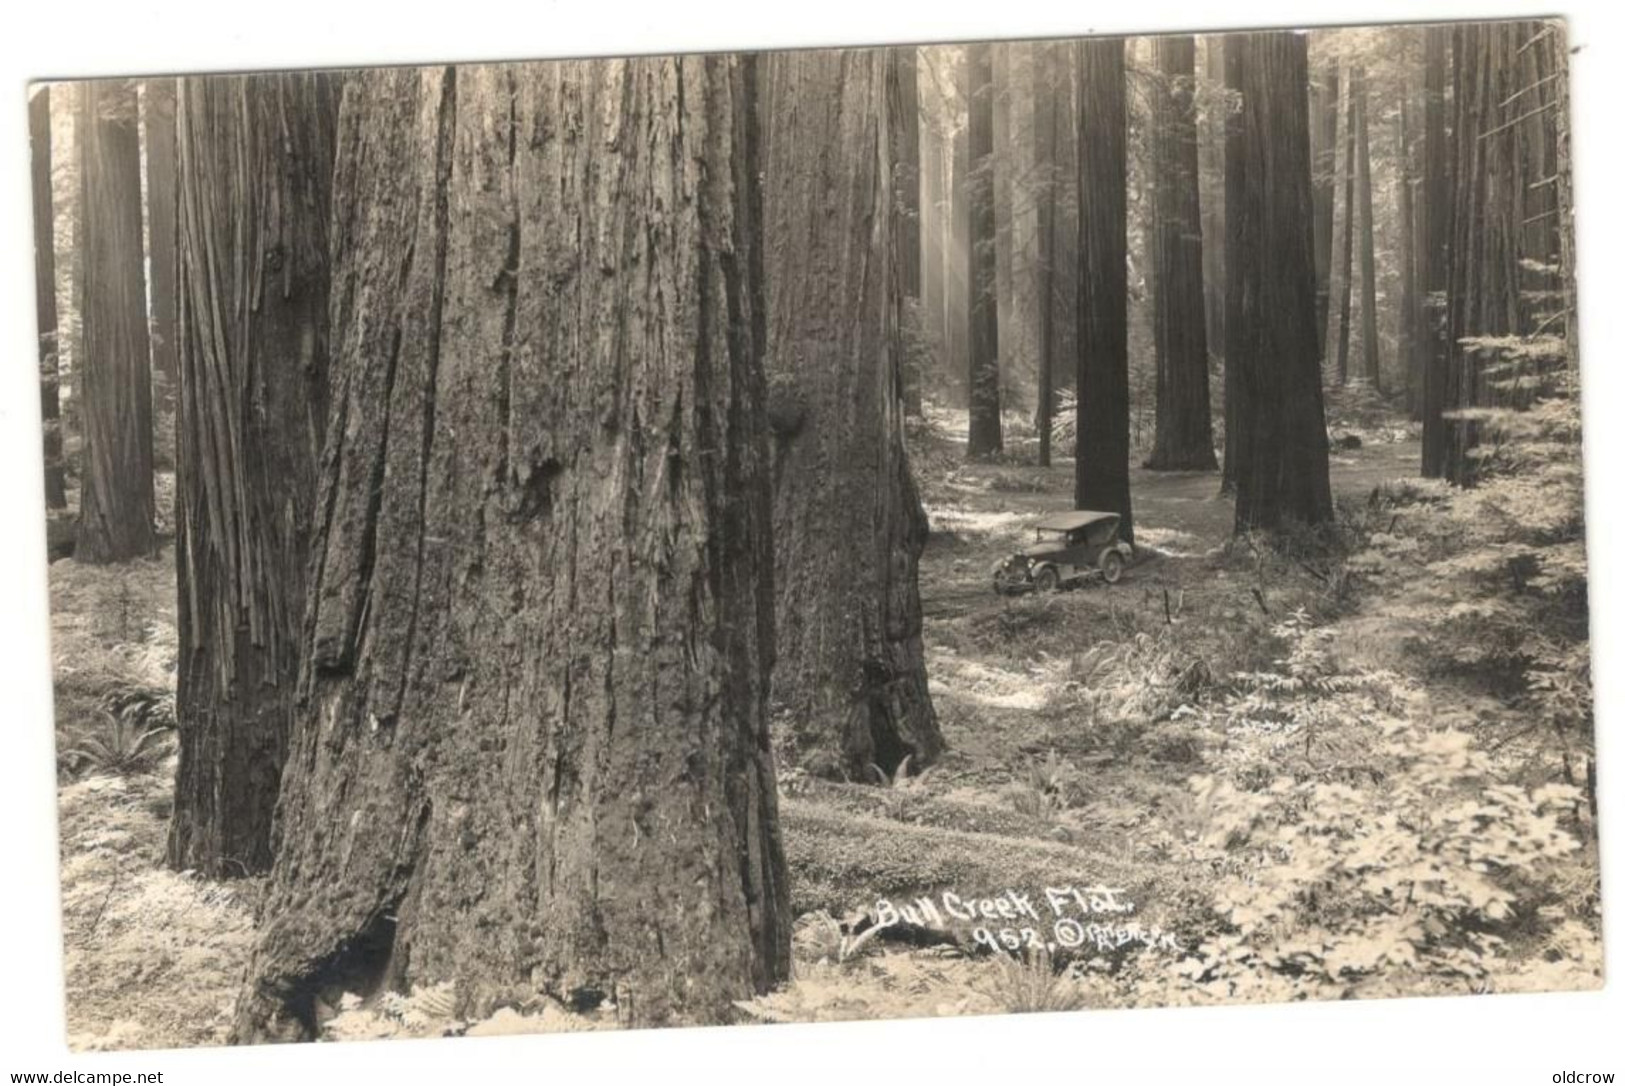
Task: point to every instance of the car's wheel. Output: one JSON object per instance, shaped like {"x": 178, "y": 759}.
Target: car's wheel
{"x": 1111, "y": 566}
{"x": 1047, "y": 579}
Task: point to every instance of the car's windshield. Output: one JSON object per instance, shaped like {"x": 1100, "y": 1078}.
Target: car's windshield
{"x": 1050, "y": 533}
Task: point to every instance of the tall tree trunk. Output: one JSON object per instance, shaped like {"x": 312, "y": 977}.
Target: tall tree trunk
{"x": 1049, "y": 93}
{"x": 986, "y": 427}
{"x": 1323, "y": 97}
{"x": 1483, "y": 274}
{"x": 1103, "y": 430}
{"x": 530, "y": 753}
{"x": 1184, "y": 424}
{"x": 158, "y": 109}
{"x": 115, "y": 379}
{"x": 1409, "y": 254}
{"x": 255, "y": 175}
{"x": 39, "y": 141}
{"x": 1436, "y": 229}
{"x": 1370, "y": 347}
{"x": 1281, "y": 457}
{"x": 1211, "y": 150}
{"x": 933, "y": 239}
{"x": 848, "y": 528}
{"x": 1343, "y": 276}
{"x": 903, "y": 127}
{"x": 960, "y": 297}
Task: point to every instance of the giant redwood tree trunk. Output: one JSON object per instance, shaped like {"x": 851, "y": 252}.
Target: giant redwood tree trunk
{"x": 1281, "y": 457}
{"x": 114, "y": 379}
{"x": 848, "y": 527}
{"x": 986, "y": 435}
{"x": 39, "y": 144}
{"x": 158, "y": 109}
{"x": 1103, "y": 433}
{"x": 256, "y": 162}
{"x": 1184, "y": 426}
{"x": 1483, "y": 255}
{"x": 530, "y": 752}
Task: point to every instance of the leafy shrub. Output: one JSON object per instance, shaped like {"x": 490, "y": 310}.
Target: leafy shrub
{"x": 1425, "y": 859}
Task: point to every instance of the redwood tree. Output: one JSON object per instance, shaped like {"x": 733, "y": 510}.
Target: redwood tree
{"x": 39, "y": 141}
{"x": 1370, "y": 347}
{"x": 848, "y": 527}
{"x": 1103, "y": 431}
{"x": 256, "y": 160}
{"x": 114, "y": 378}
{"x": 986, "y": 435}
{"x": 1057, "y": 253}
{"x": 1435, "y": 212}
{"x": 1281, "y": 463}
{"x": 1336, "y": 360}
{"x": 1323, "y": 102}
{"x": 1184, "y": 424}
{"x": 530, "y": 751}
{"x": 1482, "y": 279}
{"x": 158, "y": 115}
{"x": 903, "y": 134}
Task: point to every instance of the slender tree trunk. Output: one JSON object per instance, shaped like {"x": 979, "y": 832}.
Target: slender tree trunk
{"x": 530, "y": 754}
{"x": 115, "y": 382}
{"x": 986, "y": 427}
{"x": 255, "y": 173}
{"x": 1184, "y": 424}
{"x": 1216, "y": 129}
{"x": 1409, "y": 307}
{"x": 1558, "y": 66}
{"x": 1103, "y": 407}
{"x": 1048, "y": 93}
{"x": 903, "y": 126}
{"x": 1345, "y": 256}
{"x": 848, "y": 528}
{"x": 933, "y": 238}
{"x": 1324, "y": 99}
{"x": 1211, "y": 150}
{"x": 1281, "y": 457}
{"x": 158, "y": 109}
{"x": 1436, "y": 214}
{"x": 961, "y": 297}
{"x": 1369, "y": 345}
{"x": 39, "y": 140}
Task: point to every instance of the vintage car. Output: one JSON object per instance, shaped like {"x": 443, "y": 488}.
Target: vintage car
{"x": 1070, "y": 549}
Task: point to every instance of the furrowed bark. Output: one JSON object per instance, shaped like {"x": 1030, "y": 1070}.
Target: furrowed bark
{"x": 848, "y": 527}
{"x": 1184, "y": 424}
{"x": 116, "y": 501}
{"x": 1281, "y": 456}
{"x": 255, "y": 158}
{"x": 1103, "y": 426}
{"x": 530, "y": 753}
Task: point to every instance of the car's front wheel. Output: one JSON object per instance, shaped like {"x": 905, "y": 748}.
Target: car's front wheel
{"x": 1111, "y": 567}
{"x": 1047, "y": 579}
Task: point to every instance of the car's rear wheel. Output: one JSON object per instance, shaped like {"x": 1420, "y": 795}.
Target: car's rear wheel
{"x": 1111, "y": 566}
{"x": 1047, "y": 579}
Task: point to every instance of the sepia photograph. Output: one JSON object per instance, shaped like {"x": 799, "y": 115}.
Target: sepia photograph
{"x": 815, "y": 534}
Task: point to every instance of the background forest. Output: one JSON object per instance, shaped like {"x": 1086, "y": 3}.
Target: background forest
{"x": 521, "y": 534}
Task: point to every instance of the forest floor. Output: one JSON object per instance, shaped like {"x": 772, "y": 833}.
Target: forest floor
{"x": 1084, "y": 727}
